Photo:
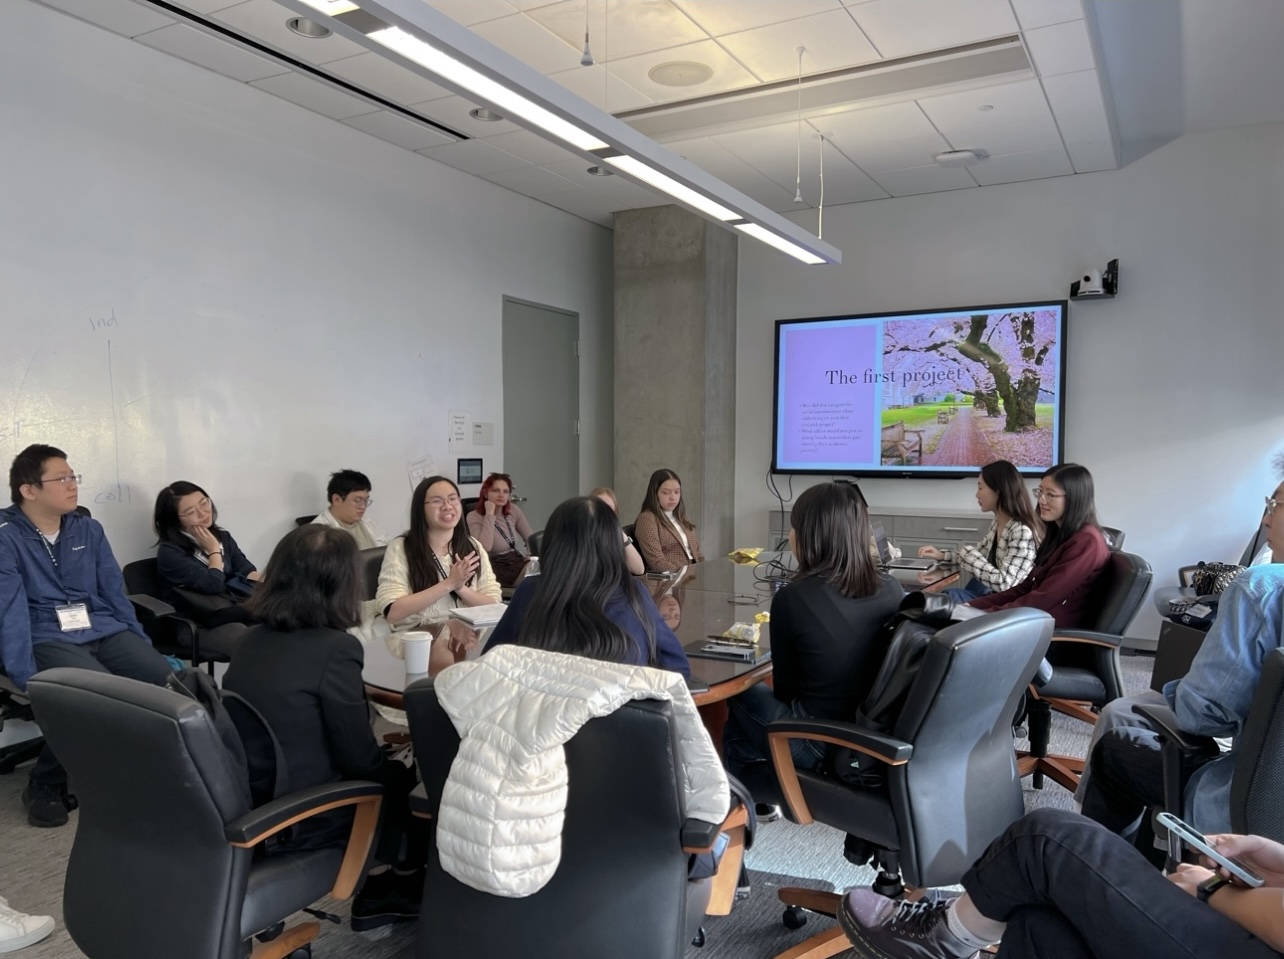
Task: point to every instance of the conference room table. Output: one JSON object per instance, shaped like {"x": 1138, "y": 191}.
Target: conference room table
{"x": 699, "y": 603}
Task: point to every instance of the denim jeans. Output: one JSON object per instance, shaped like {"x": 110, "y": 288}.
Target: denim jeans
{"x": 1070, "y": 889}
{"x": 962, "y": 594}
{"x": 744, "y": 740}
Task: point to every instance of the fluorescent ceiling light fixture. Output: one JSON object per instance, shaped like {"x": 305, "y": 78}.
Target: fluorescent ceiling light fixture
{"x": 507, "y": 102}
{"x": 332, "y": 7}
{"x": 780, "y": 243}
{"x": 666, "y": 184}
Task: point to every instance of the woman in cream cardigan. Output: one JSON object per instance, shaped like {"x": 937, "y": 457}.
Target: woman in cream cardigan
{"x": 665, "y": 537}
{"x": 434, "y": 567}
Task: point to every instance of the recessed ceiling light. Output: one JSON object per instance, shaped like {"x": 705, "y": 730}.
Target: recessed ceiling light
{"x": 960, "y": 158}
{"x": 986, "y": 107}
{"x": 600, "y": 171}
{"x": 486, "y": 116}
{"x": 680, "y": 73}
{"x": 306, "y": 28}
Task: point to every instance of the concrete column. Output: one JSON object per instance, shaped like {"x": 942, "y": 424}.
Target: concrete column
{"x": 675, "y": 364}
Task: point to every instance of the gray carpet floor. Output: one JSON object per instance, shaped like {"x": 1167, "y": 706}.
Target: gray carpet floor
{"x": 32, "y": 863}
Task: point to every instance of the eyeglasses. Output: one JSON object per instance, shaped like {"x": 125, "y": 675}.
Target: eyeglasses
{"x": 201, "y": 505}
{"x": 1271, "y": 503}
{"x": 1041, "y": 493}
{"x": 437, "y": 502}
{"x": 363, "y": 502}
{"x": 60, "y": 480}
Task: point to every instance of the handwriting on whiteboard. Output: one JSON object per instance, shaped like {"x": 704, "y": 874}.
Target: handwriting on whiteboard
{"x": 104, "y": 322}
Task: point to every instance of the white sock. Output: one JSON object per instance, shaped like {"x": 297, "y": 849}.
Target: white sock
{"x": 987, "y": 932}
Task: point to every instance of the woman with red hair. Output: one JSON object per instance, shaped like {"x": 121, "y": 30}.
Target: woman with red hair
{"x": 497, "y": 523}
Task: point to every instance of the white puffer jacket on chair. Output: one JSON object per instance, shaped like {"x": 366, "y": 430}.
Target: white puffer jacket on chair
{"x": 499, "y": 828}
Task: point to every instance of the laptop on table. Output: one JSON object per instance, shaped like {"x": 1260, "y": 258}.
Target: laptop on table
{"x": 885, "y": 554}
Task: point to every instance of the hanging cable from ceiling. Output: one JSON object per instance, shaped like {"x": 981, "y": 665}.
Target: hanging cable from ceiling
{"x": 798, "y": 197}
{"x": 820, "y": 210}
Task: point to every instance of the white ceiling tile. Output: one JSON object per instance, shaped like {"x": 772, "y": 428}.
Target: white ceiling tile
{"x": 264, "y": 21}
{"x": 1043, "y": 13}
{"x": 469, "y": 12}
{"x": 314, "y": 95}
{"x": 720, "y": 16}
{"x": 601, "y": 89}
{"x": 1078, "y": 107}
{"x": 204, "y": 50}
{"x": 378, "y": 75}
{"x": 475, "y": 156}
{"x": 727, "y": 73}
{"x": 453, "y": 112}
{"x": 125, "y": 17}
{"x": 774, "y": 151}
{"x": 576, "y": 169}
{"x": 843, "y": 182}
{"x": 398, "y": 130}
{"x": 586, "y": 206}
{"x": 831, "y": 41}
{"x": 1063, "y": 48}
{"x": 923, "y": 179}
{"x": 893, "y": 137}
{"x": 901, "y": 27}
{"x": 1022, "y": 166}
{"x": 712, "y": 157}
{"x": 530, "y": 180}
{"x": 1019, "y": 122}
{"x": 529, "y": 146}
{"x": 1088, "y": 156}
{"x": 625, "y": 28}
{"x": 523, "y": 38}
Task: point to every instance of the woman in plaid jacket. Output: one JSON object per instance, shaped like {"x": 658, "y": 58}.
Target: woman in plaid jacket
{"x": 1005, "y": 555}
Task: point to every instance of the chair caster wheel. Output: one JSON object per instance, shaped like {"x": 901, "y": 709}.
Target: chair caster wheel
{"x": 303, "y": 952}
{"x": 794, "y": 917}
{"x": 698, "y": 941}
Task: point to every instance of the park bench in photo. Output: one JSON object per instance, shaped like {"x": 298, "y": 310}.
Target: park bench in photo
{"x": 902, "y": 443}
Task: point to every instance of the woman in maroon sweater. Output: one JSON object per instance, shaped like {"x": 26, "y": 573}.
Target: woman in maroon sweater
{"x": 1071, "y": 557}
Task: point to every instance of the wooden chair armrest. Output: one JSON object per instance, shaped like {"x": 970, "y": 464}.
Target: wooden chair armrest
{"x": 894, "y": 752}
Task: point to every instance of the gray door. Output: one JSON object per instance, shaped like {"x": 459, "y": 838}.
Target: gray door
{"x": 541, "y": 406}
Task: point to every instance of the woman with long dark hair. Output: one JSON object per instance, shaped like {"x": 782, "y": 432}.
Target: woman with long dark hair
{"x": 666, "y": 538}
{"x": 1072, "y": 555}
{"x": 497, "y": 523}
{"x": 824, "y": 628}
{"x": 1005, "y": 554}
{"x": 435, "y": 566}
{"x": 196, "y": 555}
{"x": 302, "y": 671}
{"x": 585, "y": 601}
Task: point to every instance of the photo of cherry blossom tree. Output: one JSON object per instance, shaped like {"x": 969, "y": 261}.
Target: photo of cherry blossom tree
{"x": 978, "y": 388}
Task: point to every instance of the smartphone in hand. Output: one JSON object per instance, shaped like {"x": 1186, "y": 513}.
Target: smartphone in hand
{"x": 1196, "y": 841}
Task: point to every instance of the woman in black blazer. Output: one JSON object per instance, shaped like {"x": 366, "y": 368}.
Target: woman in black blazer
{"x": 302, "y": 671}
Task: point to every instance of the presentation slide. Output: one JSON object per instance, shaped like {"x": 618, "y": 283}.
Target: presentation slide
{"x": 939, "y": 393}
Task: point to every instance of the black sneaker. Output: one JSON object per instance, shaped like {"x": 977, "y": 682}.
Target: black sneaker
{"x": 766, "y": 812}
{"x": 45, "y": 804}
{"x": 882, "y": 928}
{"x": 384, "y": 899}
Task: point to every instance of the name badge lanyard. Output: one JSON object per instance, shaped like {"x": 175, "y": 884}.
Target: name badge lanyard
{"x": 57, "y": 569}
{"x": 441, "y": 571}
{"x": 507, "y": 533}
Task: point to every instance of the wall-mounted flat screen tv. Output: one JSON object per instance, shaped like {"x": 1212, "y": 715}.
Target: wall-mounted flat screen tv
{"x": 938, "y": 393}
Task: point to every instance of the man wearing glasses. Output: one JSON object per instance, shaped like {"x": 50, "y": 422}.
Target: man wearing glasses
{"x": 62, "y": 603}
{"x": 349, "y": 494}
{"x": 1212, "y": 699}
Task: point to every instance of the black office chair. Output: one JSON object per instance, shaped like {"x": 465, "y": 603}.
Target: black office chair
{"x": 950, "y": 781}
{"x": 621, "y": 888}
{"x": 468, "y": 504}
{"x": 1085, "y": 668}
{"x": 1114, "y": 537}
{"x": 536, "y": 542}
{"x": 1258, "y": 779}
{"x": 370, "y": 562}
{"x": 15, "y": 705}
{"x": 164, "y": 861}
{"x": 629, "y": 531}
{"x": 173, "y": 632}
{"x": 304, "y": 520}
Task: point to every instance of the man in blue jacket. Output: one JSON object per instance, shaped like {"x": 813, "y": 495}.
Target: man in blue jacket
{"x": 62, "y": 602}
